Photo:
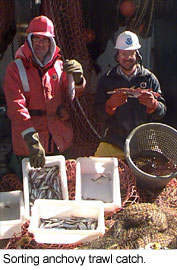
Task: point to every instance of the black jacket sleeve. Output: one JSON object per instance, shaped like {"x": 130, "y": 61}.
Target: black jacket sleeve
{"x": 161, "y": 109}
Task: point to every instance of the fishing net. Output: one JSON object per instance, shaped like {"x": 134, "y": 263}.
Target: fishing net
{"x": 10, "y": 182}
{"x": 146, "y": 11}
{"x": 145, "y": 217}
{"x": 69, "y": 30}
{"x": 129, "y": 196}
{"x": 153, "y": 220}
{"x": 7, "y": 23}
{"x": 99, "y": 29}
{"x": 76, "y": 39}
{"x": 142, "y": 21}
{"x": 166, "y": 197}
{"x": 130, "y": 225}
{"x": 139, "y": 225}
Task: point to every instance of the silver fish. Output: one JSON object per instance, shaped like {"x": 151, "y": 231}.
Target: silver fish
{"x": 101, "y": 176}
{"x": 69, "y": 223}
{"x": 45, "y": 183}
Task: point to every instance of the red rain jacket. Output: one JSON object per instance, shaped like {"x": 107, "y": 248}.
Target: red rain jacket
{"x": 46, "y": 88}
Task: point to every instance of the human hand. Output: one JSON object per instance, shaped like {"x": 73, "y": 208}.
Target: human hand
{"x": 74, "y": 67}
{"x": 36, "y": 151}
{"x": 147, "y": 98}
{"x": 115, "y": 101}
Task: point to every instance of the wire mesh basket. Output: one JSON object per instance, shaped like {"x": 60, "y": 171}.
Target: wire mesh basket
{"x": 156, "y": 140}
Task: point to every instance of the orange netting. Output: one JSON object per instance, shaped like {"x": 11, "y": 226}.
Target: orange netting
{"x": 142, "y": 21}
{"x": 129, "y": 196}
{"x": 10, "y": 182}
{"x": 165, "y": 199}
{"x": 69, "y": 30}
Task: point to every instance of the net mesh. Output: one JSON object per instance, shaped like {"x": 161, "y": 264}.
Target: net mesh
{"x": 141, "y": 22}
{"x": 129, "y": 196}
{"x": 10, "y": 182}
{"x": 70, "y": 36}
{"x": 69, "y": 30}
{"x": 139, "y": 225}
{"x": 145, "y": 216}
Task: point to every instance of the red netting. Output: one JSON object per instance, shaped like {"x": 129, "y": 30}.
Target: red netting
{"x": 68, "y": 20}
{"x": 69, "y": 30}
{"x": 7, "y": 24}
{"x": 129, "y": 196}
{"x": 10, "y": 182}
{"x": 141, "y": 22}
{"x": 70, "y": 36}
{"x": 165, "y": 198}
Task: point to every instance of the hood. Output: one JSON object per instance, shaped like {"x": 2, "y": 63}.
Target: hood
{"x": 26, "y": 51}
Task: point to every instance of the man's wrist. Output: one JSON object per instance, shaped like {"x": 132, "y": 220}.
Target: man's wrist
{"x": 109, "y": 109}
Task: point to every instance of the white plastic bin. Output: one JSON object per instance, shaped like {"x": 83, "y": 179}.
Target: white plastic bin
{"x": 50, "y": 161}
{"x": 11, "y": 213}
{"x": 62, "y": 209}
{"x": 89, "y": 169}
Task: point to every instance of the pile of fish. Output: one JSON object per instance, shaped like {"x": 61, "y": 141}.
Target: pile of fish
{"x": 45, "y": 183}
{"x": 69, "y": 223}
{"x": 156, "y": 164}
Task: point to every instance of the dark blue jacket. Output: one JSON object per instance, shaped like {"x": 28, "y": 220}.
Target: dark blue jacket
{"x": 131, "y": 114}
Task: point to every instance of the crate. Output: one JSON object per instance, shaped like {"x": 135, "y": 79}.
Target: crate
{"x": 50, "y": 161}
{"x": 62, "y": 209}
{"x": 11, "y": 213}
{"x": 88, "y": 169}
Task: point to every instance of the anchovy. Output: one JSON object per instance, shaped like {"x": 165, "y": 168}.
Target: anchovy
{"x": 45, "y": 183}
{"x": 100, "y": 177}
{"x": 69, "y": 223}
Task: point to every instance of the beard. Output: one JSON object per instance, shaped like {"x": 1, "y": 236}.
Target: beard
{"x": 127, "y": 65}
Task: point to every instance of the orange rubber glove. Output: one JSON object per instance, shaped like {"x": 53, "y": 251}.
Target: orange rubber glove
{"x": 115, "y": 101}
{"x": 148, "y": 99}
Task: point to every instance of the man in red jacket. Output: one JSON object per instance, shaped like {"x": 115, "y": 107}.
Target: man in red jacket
{"x": 34, "y": 86}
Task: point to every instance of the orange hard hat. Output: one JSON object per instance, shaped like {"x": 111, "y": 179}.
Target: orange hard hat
{"x": 41, "y": 25}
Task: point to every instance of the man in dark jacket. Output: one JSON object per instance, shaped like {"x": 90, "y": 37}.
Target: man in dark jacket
{"x": 127, "y": 96}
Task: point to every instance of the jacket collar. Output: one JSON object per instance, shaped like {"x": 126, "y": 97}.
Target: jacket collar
{"x": 120, "y": 72}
